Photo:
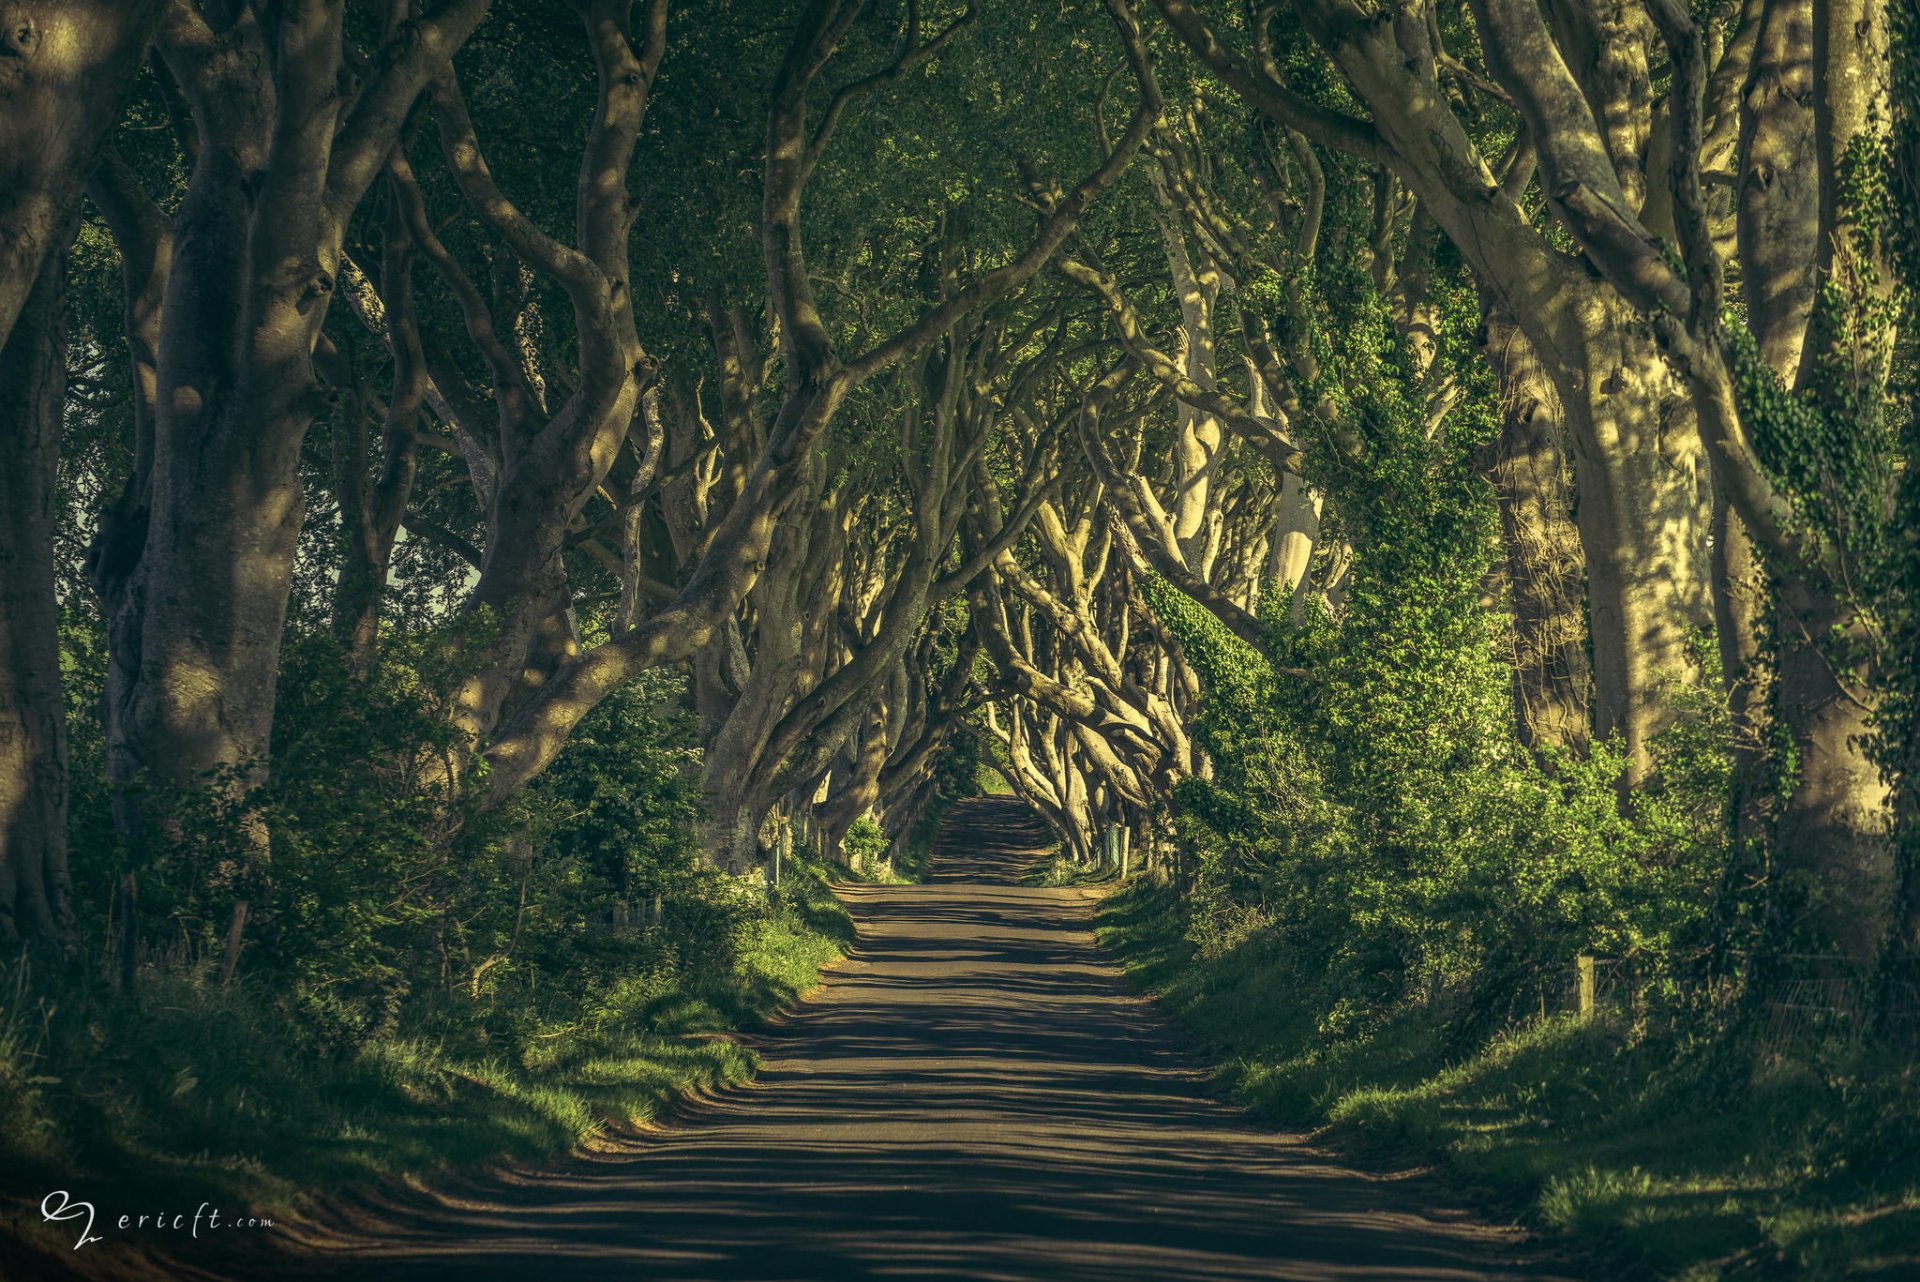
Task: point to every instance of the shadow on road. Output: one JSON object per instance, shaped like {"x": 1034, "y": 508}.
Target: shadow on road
{"x": 976, "y": 1094}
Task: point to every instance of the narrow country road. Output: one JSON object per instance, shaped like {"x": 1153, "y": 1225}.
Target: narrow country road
{"x": 974, "y": 1094}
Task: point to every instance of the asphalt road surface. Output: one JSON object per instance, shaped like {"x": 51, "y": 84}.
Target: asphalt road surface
{"x": 974, "y": 1094}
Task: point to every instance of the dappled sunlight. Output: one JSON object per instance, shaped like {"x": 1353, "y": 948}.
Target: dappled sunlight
{"x": 974, "y": 1093}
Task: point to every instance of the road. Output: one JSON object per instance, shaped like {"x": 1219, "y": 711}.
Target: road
{"x": 974, "y": 1094}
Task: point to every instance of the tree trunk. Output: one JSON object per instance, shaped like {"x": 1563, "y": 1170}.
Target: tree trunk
{"x": 1816, "y": 84}
{"x": 33, "y": 725}
{"x": 64, "y": 67}
{"x": 196, "y": 695}
{"x": 1643, "y": 513}
{"x": 1833, "y": 838}
{"x": 1552, "y": 678}
{"x": 1296, "y": 531}
{"x": 1740, "y": 602}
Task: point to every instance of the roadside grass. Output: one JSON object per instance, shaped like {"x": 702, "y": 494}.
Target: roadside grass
{"x": 906, "y": 869}
{"x": 1656, "y": 1157}
{"x": 204, "y": 1093}
{"x": 1055, "y": 869}
{"x": 873, "y": 862}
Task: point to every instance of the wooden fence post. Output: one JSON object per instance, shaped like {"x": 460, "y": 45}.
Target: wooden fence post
{"x": 1584, "y": 971}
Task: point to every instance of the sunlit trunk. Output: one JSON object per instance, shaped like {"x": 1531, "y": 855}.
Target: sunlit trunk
{"x": 1552, "y": 678}
{"x": 1643, "y": 515}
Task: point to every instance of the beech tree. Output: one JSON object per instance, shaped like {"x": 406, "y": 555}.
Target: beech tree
{"x": 1644, "y": 507}
{"x": 194, "y": 561}
{"x": 1466, "y": 374}
{"x": 64, "y": 70}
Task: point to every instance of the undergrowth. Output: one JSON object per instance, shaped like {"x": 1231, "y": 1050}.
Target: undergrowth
{"x": 1659, "y": 1156}
{"x": 423, "y": 986}
{"x": 187, "y": 1085}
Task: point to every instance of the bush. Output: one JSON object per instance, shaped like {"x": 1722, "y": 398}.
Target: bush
{"x": 422, "y": 984}
{"x": 1379, "y": 823}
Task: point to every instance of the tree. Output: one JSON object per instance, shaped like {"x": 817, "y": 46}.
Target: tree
{"x": 64, "y": 70}
{"x": 1637, "y": 459}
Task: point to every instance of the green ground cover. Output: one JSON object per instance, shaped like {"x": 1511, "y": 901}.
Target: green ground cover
{"x": 218, "y": 1090}
{"x": 1654, "y": 1156}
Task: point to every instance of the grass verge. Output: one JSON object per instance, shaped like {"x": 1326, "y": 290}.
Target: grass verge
{"x": 1056, "y": 869}
{"x": 204, "y": 1094}
{"x": 1656, "y": 1157}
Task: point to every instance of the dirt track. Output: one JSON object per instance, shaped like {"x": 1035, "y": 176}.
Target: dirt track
{"x": 975, "y": 1094}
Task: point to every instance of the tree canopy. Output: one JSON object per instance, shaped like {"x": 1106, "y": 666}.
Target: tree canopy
{"x": 1433, "y": 482}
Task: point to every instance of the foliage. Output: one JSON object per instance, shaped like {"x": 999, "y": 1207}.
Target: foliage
{"x": 422, "y": 986}
{"x": 1377, "y": 821}
{"x": 1651, "y": 1153}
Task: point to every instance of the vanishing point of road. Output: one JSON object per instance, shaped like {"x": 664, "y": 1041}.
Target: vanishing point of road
{"x": 974, "y": 1094}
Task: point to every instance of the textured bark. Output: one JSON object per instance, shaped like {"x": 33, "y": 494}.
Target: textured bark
{"x": 1552, "y": 679}
{"x": 196, "y": 563}
{"x": 33, "y": 725}
{"x": 64, "y": 68}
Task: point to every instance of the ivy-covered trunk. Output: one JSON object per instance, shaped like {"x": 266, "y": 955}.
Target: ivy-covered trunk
{"x": 1832, "y": 840}
{"x": 1552, "y": 675}
{"x": 1642, "y": 510}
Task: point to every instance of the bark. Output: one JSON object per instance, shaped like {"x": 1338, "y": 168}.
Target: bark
{"x": 1296, "y": 532}
{"x": 64, "y": 69}
{"x": 553, "y": 463}
{"x": 1741, "y": 600}
{"x": 1552, "y": 680}
{"x": 34, "y": 888}
{"x": 1833, "y": 839}
{"x": 1903, "y": 944}
{"x": 1198, "y": 438}
{"x": 196, "y": 571}
{"x": 1643, "y": 515}
{"x": 1778, "y": 212}
{"x": 373, "y": 504}
{"x": 858, "y": 783}
{"x": 795, "y": 601}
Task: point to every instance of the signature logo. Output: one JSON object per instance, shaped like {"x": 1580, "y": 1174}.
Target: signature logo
{"x": 69, "y": 1210}
{"x": 59, "y": 1206}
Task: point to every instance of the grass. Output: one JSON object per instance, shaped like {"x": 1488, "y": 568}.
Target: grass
{"x": 908, "y": 866}
{"x": 206, "y": 1089}
{"x": 1059, "y": 870}
{"x": 1654, "y": 1156}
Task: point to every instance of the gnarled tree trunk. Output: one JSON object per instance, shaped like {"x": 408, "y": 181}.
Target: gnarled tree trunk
{"x": 1552, "y": 678}
{"x": 33, "y": 722}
